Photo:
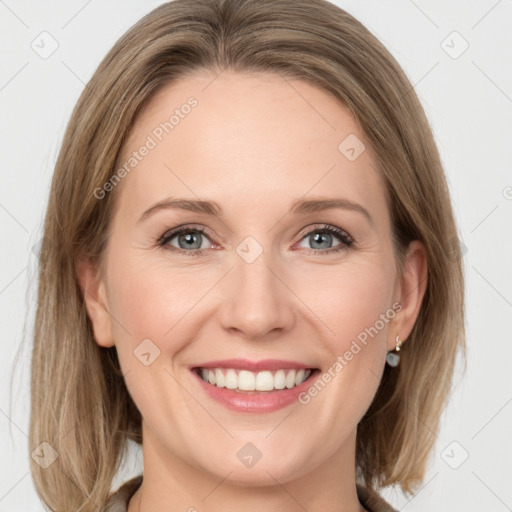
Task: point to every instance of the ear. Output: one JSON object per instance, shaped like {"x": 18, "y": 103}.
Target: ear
{"x": 410, "y": 291}
{"x": 96, "y": 304}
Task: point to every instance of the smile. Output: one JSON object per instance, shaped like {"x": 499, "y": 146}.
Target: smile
{"x": 244, "y": 380}
{"x": 258, "y": 390}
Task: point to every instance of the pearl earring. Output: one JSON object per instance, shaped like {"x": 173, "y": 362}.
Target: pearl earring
{"x": 393, "y": 356}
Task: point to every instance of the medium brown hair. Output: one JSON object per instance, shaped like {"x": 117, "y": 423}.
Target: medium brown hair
{"x": 79, "y": 402}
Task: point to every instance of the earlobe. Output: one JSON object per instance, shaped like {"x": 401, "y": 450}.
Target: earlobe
{"x": 413, "y": 284}
{"x": 96, "y": 303}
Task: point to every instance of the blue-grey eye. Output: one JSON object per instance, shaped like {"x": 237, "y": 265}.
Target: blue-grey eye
{"x": 187, "y": 238}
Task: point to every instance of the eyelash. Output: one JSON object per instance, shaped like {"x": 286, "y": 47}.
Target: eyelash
{"x": 346, "y": 240}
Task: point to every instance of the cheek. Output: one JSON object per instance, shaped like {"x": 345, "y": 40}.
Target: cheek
{"x": 353, "y": 301}
{"x": 150, "y": 300}
{"x": 356, "y": 306}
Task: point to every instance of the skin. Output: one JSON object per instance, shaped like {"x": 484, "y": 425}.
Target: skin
{"x": 254, "y": 143}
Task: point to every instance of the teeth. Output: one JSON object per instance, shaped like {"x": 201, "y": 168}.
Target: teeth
{"x": 244, "y": 380}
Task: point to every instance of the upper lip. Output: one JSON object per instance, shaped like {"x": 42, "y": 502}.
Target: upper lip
{"x": 254, "y": 366}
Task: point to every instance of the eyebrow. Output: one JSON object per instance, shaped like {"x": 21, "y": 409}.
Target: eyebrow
{"x": 298, "y": 206}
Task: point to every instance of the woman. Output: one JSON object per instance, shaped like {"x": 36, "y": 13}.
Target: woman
{"x": 183, "y": 300}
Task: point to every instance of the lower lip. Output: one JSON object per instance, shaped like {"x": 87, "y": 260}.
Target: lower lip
{"x": 255, "y": 401}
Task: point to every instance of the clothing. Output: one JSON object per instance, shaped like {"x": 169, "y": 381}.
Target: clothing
{"x": 119, "y": 500}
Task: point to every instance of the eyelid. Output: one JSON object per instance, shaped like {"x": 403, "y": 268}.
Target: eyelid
{"x": 171, "y": 233}
{"x": 325, "y": 227}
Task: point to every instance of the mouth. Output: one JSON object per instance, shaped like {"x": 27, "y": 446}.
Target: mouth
{"x": 245, "y": 381}
{"x": 248, "y": 386}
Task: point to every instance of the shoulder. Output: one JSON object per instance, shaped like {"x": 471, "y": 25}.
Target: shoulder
{"x": 372, "y": 501}
{"x": 118, "y": 501}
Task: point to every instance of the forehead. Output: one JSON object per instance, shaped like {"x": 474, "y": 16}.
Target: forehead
{"x": 247, "y": 139}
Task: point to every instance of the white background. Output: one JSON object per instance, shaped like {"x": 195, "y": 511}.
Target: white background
{"x": 468, "y": 100}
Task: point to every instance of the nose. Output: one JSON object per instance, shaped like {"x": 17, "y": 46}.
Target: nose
{"x": 258, "y": 302}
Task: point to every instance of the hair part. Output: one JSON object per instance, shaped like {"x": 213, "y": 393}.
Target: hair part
{"x": 79, "y": 402}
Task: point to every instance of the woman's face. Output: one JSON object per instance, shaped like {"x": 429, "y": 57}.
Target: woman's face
{"x": 261, "y": 280}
